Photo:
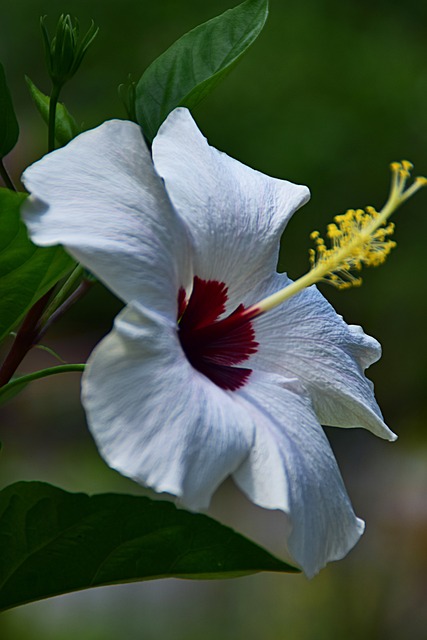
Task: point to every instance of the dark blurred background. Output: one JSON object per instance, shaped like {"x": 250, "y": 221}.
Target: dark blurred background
{"x": 329, "y": 95}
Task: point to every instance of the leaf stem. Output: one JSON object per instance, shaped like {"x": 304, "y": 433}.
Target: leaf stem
{"x": 63, "y": 292}
{"x": 6, "y": 177}
{"x": 77, "y": 294}
{"x": 43, "y": 373}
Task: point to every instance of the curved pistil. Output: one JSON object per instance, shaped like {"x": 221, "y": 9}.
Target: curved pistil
{"x": 358, "y": 237}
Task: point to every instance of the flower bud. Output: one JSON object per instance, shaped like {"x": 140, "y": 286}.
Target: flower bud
{"x": 127, "y": 95}
{"x": 65, "y": 51}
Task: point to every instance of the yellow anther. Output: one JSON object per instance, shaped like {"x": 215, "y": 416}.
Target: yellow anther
{"x": 358, "y": 238}
{"x": 361, "y": 236}
{"x": 333, "y": 231}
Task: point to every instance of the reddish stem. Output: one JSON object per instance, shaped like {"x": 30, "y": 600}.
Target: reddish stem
{"x": 24, "y": 339}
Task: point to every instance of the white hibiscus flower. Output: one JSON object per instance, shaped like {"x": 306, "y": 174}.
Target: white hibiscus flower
{"x": 193, "y": 384}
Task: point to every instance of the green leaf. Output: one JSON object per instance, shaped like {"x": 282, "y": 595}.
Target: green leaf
{"x": 66, "y": 128}
{"x": 51, "y": 352}
{"x": 16, "y": 385}
{"x": 195, "y": 63}
{"x": 9, "y": 129}
{"x": 54, "y": 542}
{"x": 27, "y": 272}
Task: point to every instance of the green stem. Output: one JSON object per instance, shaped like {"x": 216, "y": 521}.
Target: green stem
{"x": 6, "y": 177}
{"x": 43, "y": 373}
{"x": 77, "y": 294}
{"x": 52, "y": 116}
{"x": 63, "y": 293}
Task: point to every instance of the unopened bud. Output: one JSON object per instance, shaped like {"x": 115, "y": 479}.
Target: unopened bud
{"x": 127, "y": 92}
{"x": 65, "y": 51}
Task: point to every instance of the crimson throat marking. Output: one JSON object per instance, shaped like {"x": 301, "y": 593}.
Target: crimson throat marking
{"x": 214, "y": 346}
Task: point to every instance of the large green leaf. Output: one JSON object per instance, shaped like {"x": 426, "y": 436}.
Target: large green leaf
{"x": 66, "y": 128}
{"x": 54, "y": 542}
{"x": 195, "y": 63}
{"x": 9, "y": 129}
{"x": 26, "y": 272}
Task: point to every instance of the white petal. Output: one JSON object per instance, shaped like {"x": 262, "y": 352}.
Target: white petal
{"x": 305, "y": 338}
{"x": 236, "y": 214}
{"x": 157, "y": 420}
{"x": 292, "y": 468}
{"x": 100, "y": 197}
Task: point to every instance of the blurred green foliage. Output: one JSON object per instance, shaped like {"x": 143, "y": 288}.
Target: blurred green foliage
{"x": 329, "y": 95}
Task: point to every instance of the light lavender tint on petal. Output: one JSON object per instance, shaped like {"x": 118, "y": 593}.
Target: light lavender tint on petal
{"x": 236, "y": 214}
{"x": 291, "y": 467}
{"x": 100, "y": 197}
{"x": 157, "y": 420}
{"x": 304, "y": 338}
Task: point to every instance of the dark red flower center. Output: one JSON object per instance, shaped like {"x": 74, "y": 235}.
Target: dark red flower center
{"x": 215, "y": 346}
